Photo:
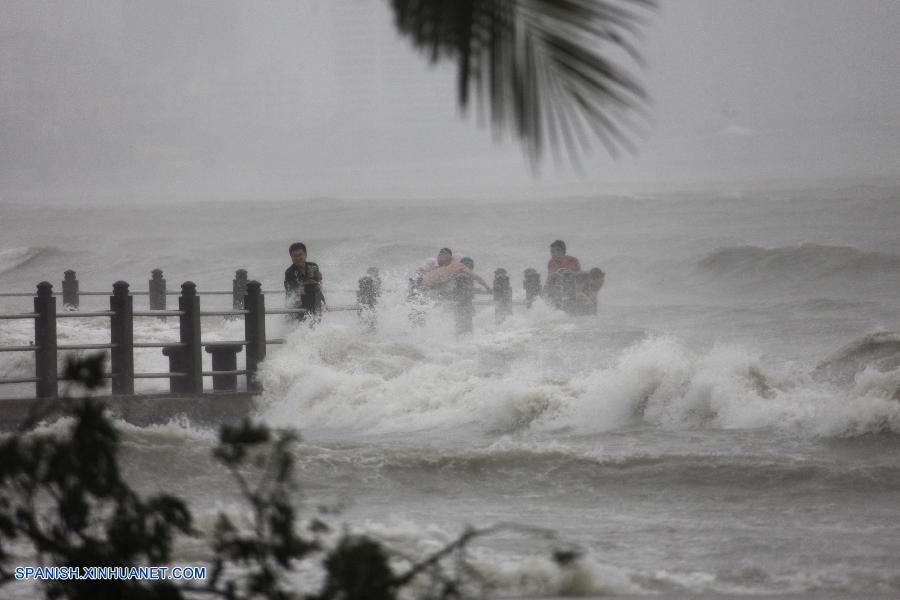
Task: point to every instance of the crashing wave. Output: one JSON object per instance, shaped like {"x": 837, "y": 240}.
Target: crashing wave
{"x": 879, "y": 351}
{"x": 13, "y": 258}
{"x": 806, "y": 261}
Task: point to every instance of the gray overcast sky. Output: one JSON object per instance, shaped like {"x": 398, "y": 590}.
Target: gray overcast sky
{"x": 284, "y": 98}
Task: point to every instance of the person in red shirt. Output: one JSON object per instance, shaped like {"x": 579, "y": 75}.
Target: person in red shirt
{"x": 560, "y": 260}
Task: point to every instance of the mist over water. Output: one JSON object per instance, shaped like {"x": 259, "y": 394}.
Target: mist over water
{"x": 728, "y": 423}
{"x": 222, "y": 99}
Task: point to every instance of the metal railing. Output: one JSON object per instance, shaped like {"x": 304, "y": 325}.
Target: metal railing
{"x": 185, "y": 355}
{"x": 186, "y": 373}
{"x": 156, "y": 290}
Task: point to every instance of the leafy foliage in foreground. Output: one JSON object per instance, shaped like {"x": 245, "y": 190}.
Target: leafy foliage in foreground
{"x": 65, "y": 496}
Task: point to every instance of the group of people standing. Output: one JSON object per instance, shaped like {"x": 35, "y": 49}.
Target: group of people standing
{"x": 438, "y": 274}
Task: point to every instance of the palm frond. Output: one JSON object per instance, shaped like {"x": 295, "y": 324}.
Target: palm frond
{"x": 542, "y": 68}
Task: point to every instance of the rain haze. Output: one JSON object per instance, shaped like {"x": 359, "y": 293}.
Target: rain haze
{"x": 675, "y": 371}
{"x": 288, "y": 99}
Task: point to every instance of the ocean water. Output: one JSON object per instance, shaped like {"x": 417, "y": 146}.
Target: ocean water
{"x": 729, "y": 423}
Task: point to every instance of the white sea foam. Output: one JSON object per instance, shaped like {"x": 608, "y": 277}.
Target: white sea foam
{"x": 404, "y": 378}
{"x": 689, "y": 414}
{"x": 535, "y": 574}
{"x": 508, "y": 378}
{"x": 661, "y": 382}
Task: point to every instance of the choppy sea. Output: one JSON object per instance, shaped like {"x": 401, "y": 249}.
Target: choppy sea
{"x": 728, "y": 424}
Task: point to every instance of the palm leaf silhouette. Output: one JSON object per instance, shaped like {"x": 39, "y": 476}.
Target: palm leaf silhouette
{"x": 537, "y": 65}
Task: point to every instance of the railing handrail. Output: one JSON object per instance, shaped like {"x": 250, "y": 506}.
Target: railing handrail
{"x": 130, "y": 293}
{"x": 168, "y": 293}
{"x": 229, "y": 372}
{"x": 168, "y": 375}
{"x": 341, "y": 307}
{"x": 86, "y": 346}
{"x": 157, "y": 313}
{"x": 286, "y": 311}
{"x": 75, "y": 314}
{"x": 186, "y": 354}
{"x": 19, "y": 380}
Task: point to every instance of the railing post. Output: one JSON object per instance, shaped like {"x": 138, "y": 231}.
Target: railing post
{"x": 416, "y": 300}
{"x": 366, "y": 298}
{"x": 239, "y": 288}
{"x": 121, "y": 335}
{"x": 254, "y": 332}
{"x": 177, "y": 385}
{"x": 224, "y": 358}
{"x": 581, "y": 305}
{"x": 238, "y": 291}
{"x": 157, "y": 290}
{"x": 464, "y": 307}
{"x": 532, "y": 286}
{"x": 502, "y": 295}
{"x": 189, "y": 327}
{"x": 554, "y": 291}
{"x": 568, "y": 292}
{"x": 376, "y": 279}
{"x": 45, "y": 340}
{"x": 70, "y": 289}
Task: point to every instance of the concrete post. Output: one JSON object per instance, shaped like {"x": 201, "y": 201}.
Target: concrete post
{"x": 157, "y": 290}
{"x": 532, "y": 286}
{"x": 255, "y": 332}
{"x": 376, "y": 278}
{"x": 554, "y": 293}
{"x": 366, "y": 298}
{"x": 189, "y": 328}
{"x": 502, "y": 295}
{"x": 121, "y": 335}
{"x": 568, "y": 292}
{"x": 70, "y": 289}
{"x": 45, "y": 340}
{"x": 416, "y": 299}
{"x": 239, "y": 289}
{"x": 224, "y": 358}
{"x": 177, "y": 385}
{"x": 465, "y": 310}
